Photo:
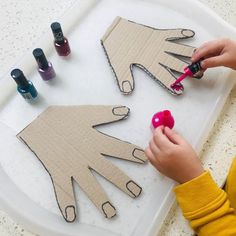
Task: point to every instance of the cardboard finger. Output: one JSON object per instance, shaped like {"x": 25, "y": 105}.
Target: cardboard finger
{"x": 108, "y": 114}
{"x": 117, "y": 177}
{"x": 95, "y": 192}
{"x": 127, "y": 43}
{"x": 180, "y": 49}
{"x": 65, "y": 198}
{"x": 175, "y": 64}
{"x": 161, "y": 71}
{"x": 123, "y": 150}
{"x": 89, "y": 115}
{"x": 176, "y": 34}
{"x": 126, "y": 82}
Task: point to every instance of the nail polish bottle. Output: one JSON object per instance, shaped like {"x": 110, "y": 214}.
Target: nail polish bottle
{"x": 61, "y": 43}
{"x": 45, "y": 67}
{"x": 24, "y": 86}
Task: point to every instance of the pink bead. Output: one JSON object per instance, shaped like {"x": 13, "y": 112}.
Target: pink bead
{"x": 163, "y": 118}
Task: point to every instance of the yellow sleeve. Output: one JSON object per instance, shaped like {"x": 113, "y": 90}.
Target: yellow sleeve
{"x": 206, "y": 206}
{"x": 230, "y": 187}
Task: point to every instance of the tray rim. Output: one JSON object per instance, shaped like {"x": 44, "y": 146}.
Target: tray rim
{"x": 154, "y": 227}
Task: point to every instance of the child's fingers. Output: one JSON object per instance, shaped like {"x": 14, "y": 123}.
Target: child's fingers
{"x": 150, "y": 155}
{"x": 155, "y": 150}
{"x": 173, "y": 136}
{"x": 213, "y": 61}
{"x": 152, "y": 159}
{"x": 208, "y": 49}
{"x": 160, "y": 139}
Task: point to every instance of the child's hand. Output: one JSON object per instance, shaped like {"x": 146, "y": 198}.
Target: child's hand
{"x": 221, "y": 52}
{"x": 170, "y": 154}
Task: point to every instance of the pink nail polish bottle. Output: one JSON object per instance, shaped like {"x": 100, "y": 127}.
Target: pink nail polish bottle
{"x": 164, "y": 118}
{"x": 60, "y": 42}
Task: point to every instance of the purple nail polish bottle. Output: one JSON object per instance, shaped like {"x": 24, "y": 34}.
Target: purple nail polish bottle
{"x": 45, "y": 67}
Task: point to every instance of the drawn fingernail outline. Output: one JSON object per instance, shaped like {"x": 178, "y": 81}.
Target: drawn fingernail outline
{"x": 106, "y": 207}
{"x": 137, "y": 153}
{"x": 126, "y": 87}
{"x": 121, "y": 111}
{"x": 68, "y": 211}
{"x": 131, "y": 184}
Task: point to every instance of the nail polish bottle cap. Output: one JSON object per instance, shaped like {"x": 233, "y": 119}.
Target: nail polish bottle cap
{"x": 57, "y": 32}
{"x": 40, "y": 58}
{"x": 164, "y": 118}
{"x": 19, "y": 78}
{"x": 195, "y": 67}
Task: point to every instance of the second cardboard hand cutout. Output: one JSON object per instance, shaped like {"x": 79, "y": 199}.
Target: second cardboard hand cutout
{"x": 127, "y": 43}
{"x": 64, "y": 139}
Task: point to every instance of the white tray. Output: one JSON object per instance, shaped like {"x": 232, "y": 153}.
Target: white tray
{"x": 86, "y": 78}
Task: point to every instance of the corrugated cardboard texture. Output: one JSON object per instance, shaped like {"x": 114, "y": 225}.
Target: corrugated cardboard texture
{"x": 127, "y": 43}
{"x": 64, "y": 139}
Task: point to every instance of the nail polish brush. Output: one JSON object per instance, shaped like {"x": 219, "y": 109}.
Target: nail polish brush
{"x": 190, "y": 70}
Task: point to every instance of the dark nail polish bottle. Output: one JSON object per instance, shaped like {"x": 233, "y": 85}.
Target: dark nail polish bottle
{"x": 45, "y": 67}
{"x": 24, "y": 86}
{"x": 61, "y": 43}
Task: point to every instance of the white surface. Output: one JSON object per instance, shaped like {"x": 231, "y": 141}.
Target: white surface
{"x": 95, "y": 84}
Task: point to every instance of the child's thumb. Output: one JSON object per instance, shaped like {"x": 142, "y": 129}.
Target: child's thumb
{"x": 173, "y": 136}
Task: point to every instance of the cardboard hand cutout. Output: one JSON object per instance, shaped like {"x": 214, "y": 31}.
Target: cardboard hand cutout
{"x": 127, "y": 44}
{"x": 64, "y": 139}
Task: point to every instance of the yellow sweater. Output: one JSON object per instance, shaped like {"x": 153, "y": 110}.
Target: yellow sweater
{"x": 210, "y": 210}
